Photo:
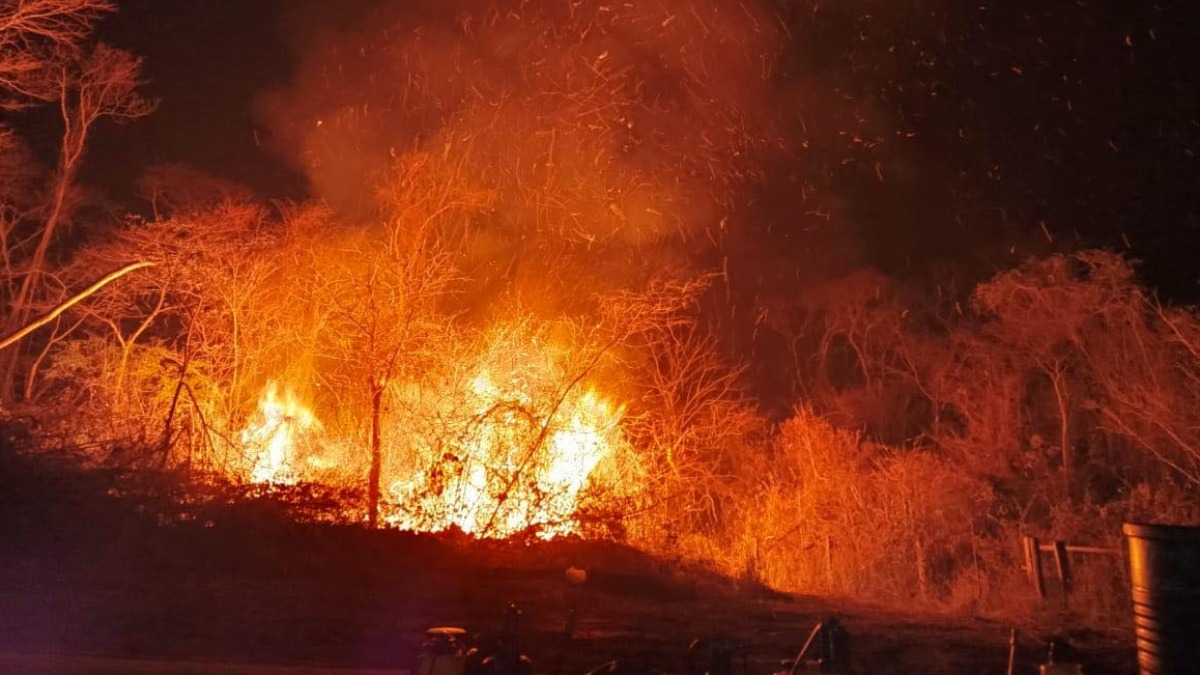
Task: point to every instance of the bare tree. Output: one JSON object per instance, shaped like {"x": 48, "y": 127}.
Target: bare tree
{"x": 174, "y": 347}
{"x": 37, "y": 39}
{"x": 692, "y": 418}
{"x": 102, "y": 84}
{"x": 18, "y": 204}
{"x": 177, "y": 189}
{"x": 379, "y": 321}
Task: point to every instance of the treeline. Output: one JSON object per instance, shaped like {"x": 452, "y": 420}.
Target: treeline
{"x": 364, "y": 324}
{"x": 1058, "y": 400}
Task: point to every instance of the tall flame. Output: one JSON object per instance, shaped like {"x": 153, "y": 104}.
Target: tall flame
{"x": 272, "y": 437}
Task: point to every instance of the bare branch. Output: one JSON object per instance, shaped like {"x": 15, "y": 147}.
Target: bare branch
{"x": 71, "y": 302}
{"x": 36, "y": 38}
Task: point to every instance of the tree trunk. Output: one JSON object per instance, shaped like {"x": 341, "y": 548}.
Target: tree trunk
{"x": 922, "y": 569}
{"x": 1064, "y": 419}
{"x": 376, "y": 456}
{"x": 73, "y": 140}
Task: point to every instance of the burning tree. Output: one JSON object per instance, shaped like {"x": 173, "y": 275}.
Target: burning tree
{"x": 532, "y": 185}
{"x": 377, "y": 319}
{"x": 165, "y": 357}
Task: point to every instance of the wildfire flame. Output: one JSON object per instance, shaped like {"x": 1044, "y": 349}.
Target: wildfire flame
{"x": 517, "y": 464}
{"x": 272, "y": 438}
{"x": 510, "y": 450}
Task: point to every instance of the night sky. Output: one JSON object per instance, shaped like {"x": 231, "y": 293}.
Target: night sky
{"x": 206, "y": 63}
{"x": 995, "y": 127}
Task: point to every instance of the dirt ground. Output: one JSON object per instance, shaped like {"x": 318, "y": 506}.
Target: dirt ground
{"x": 267, "y": 596}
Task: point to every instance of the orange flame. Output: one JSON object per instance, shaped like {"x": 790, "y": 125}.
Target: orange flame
{"x": 517, "y": 464}
{"x": 271, "y": 438}
{"x": 511, "y": 449}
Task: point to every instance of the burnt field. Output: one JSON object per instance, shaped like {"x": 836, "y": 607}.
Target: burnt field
{"x": 88, "y": 585}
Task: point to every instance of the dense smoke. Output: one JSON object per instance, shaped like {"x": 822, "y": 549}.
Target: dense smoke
{"x": 778, "y": 143}
{"x": 607, "y": 133}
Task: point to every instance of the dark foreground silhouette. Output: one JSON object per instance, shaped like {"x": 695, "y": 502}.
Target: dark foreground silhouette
{"x": 94, "y": 585}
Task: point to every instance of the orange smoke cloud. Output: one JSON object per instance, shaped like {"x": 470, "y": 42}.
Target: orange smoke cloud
{"x": 605, "y": 131}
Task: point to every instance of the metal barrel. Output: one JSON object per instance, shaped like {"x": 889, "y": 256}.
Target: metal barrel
{"x": 1164, "y": 568}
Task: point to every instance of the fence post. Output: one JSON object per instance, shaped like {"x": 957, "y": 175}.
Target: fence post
{"x": 1063, "y": 564}
{"x": 829, "y": 562}
{"x": 1033, "y": 565}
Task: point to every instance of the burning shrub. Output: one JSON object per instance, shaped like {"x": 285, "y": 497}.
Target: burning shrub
{"x": 506, "y": 435}
{"x": 513, "y": 444}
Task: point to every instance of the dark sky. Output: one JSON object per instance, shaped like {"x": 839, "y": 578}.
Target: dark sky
{"x": 206, "y": 62}
{"x": 995, "y": 119}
